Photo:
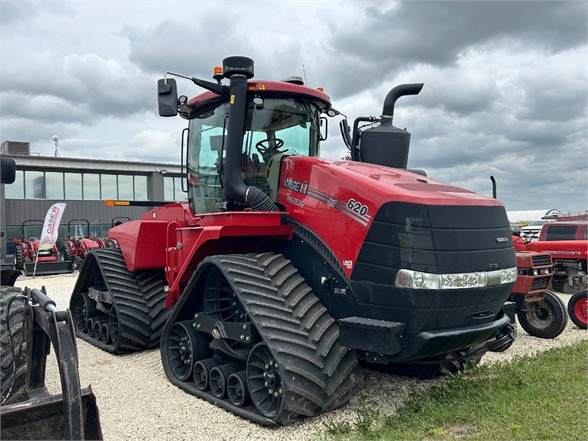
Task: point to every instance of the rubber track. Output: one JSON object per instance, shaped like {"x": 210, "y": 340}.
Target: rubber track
{"x": 13, "y": 345}
{"x": 138, "y": 298}
{"x": 298, "y": 330}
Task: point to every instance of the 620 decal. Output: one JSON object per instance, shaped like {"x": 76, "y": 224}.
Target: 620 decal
{"x": 357, "y": 207}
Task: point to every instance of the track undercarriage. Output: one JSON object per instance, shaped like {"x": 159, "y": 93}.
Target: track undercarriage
{"x": 250, "y": 336}
{"x": 117, "y": 310}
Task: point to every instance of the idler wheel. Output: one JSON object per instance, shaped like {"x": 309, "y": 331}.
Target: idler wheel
{"x": 202, "y": 370}
{"x": 218, "y": 379}
{"x": 237, "y": 390}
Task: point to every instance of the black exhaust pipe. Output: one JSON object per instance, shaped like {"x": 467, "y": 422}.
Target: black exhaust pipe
{"x": 394, "y": 94}
{"x": 238, "y": 70}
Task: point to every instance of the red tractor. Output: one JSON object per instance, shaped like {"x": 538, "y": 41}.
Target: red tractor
{"x": 284, "y": 270}
{"x": 567, "y": 244}
{"x": 78, "y": 244}
{"x": 29, "y": 258}
{"x": 540, "y": 311}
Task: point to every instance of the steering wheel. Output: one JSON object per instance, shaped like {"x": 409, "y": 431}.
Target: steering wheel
{"x": 266, "y": 151}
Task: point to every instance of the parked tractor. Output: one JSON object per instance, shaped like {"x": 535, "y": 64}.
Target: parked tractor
{"x": 29, "y": 258}
{"x": 78, "y": 243}
{"x": 30, "y": 324}
{"x": 567, "y": 244}
{"x": 285, "y": 269}
{"x": 540, "y": 311}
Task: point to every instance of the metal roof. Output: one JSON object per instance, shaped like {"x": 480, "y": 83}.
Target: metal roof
{"x": 28, "y": 162}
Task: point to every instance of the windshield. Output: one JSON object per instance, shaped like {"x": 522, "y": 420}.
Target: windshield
{"x": 273, "y": 125}
{"x": 536, "y": 223}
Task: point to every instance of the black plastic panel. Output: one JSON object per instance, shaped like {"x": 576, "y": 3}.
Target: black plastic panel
{"x": 433, "y": 239}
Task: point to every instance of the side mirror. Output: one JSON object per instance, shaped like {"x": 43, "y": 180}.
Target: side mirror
{"x": 167, "y": 97}
{"x": 7, "y": 170}
{"x": 323, "y": 128}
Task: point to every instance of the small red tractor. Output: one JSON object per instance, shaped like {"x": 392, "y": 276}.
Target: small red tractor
{"x": 29, "y": 258}
{"x": 567, "y": 244}
{"x": 284, "y": 270}
{"x": 78, "y": 243}
{"x": 111, "y": 242}
{"x": 30, "y": 325}
{"x": 540, "y": 311}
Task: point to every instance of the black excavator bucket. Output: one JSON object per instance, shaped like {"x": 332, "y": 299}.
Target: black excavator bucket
{"x": 42, "y": 417}
{"x": 35, "y": 414}
{"x": 47, "y": 268}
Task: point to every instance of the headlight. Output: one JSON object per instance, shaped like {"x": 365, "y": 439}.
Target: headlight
{"x": 420, "y": 280}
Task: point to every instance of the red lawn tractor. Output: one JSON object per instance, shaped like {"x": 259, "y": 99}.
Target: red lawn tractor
{"x": 284, "y": 270}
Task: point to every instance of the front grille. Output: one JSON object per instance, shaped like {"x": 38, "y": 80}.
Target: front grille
{"x": 434, "y": 239}
{"x": 541, "y": 260}
{"x": 540, "y": 283}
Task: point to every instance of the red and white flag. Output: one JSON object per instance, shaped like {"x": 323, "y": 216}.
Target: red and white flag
{"x": 51, "y": 226}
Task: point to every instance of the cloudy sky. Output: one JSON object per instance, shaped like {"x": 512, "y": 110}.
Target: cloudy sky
{"x": 506, "y": 87}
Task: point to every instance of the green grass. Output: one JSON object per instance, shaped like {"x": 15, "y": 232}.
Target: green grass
{"x": 532, "y": 398}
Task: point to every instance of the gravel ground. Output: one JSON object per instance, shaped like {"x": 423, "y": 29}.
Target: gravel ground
{"x": 137, "y": 402}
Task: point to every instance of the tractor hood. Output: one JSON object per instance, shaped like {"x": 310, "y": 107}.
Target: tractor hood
{"x": 342, "y": 180}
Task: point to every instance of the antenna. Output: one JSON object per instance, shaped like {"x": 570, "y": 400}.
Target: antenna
{"x": 304, "y": 74}
{"x": 55, "y": 139}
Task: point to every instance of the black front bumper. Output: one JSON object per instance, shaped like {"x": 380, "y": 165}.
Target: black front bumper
{"x": 381, "y": 341}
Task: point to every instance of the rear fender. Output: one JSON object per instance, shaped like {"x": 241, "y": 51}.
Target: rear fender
{"x": 143, "y": 243}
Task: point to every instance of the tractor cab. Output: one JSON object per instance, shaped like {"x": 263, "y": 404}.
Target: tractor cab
{"x": 273, "y": 125}
{"x": 236, "y": 130}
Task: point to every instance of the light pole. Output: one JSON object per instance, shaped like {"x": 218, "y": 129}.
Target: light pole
{"x": 55, "y": 139}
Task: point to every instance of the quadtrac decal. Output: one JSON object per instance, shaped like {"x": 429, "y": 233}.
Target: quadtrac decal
{"x": 355, "y": 209}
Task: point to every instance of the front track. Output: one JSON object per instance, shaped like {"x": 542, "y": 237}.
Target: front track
{"x": 249, "y": 335}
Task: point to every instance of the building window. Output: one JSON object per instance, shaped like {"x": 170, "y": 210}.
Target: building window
{"x": 16, "y": 189}
{"x": 54, "y": 185}
{"x": 73, "y": 186}
{"x": 34, "y": 185}
{"x": 125, "y": 187}
{"x": 180, "y": 195}
{"x": 168, "y": 188}
{"x": 141, "y": 193}
{"x": 108, "y": 187}
{"x": 172, "y": 189}
{"x": 91, "y": 187}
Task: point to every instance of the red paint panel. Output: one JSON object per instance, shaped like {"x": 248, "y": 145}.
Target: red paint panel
{"x": 339, "y": 199}
{"x": 143, "y": 243}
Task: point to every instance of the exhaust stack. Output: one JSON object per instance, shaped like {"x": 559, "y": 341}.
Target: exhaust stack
{"x": 386, "y": 144}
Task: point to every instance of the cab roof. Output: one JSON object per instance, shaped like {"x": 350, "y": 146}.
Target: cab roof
{"x": 262, "y": 87}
